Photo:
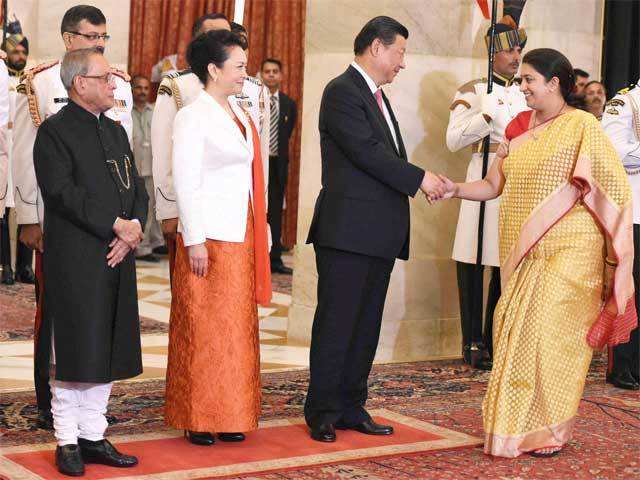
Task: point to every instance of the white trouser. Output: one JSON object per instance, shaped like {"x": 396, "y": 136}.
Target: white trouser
{"x": 78, "y": 408}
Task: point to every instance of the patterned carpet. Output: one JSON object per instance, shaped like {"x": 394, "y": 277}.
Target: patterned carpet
{"x": 446, "y": 394}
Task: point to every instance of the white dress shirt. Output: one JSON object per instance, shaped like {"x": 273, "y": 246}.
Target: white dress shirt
{"x": 374, "y": 88}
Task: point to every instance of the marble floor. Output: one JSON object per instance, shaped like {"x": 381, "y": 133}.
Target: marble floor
{"x": 154, "y": 299}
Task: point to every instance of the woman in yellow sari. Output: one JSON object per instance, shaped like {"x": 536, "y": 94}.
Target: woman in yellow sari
{"x": 566, "y": 253}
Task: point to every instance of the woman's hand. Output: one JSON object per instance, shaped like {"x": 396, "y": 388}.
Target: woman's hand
{"x": 503, "y": 151}
{"x": 199, "y": 259}
{"x": 450, "y": 188}
{"x": 607, "y": 283}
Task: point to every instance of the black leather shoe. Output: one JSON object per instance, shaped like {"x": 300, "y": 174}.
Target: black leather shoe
{"x": 623, "y": 380}
{"x": 476, "y": 356}
{"x": 69, "y": 461}
{"x": 281, "y": 268}
{"x": 25, "y": 275}
{"x": 161, "y": 250}
{"x": 44, "y": 420}
{"x": 325, "y": 432}
{"x": 105, "y": 453}
{"x": 7, "y": 275}
{"x": 200, "y": 438}
{"x": 231, "y": 437}
{"x": 368, "y": 427}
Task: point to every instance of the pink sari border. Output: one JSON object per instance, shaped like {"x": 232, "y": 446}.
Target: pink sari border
{"x": 512, "y": 446}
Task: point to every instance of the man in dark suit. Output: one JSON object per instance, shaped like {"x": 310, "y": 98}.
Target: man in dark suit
{"x": 360, "y": 226}
{"x": 95, "y": 204}
{"x": 282, "y": 122}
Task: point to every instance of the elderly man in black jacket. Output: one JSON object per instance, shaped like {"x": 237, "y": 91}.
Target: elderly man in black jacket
{"x": 360, "y": 226}
{"x": 95, "y": 204}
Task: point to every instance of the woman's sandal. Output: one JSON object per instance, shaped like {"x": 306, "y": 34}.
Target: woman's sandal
{"x": 545, "y": 452}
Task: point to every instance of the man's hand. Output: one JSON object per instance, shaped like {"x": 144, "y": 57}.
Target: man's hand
{"x": 119, "y": 250}
{"x": 31, "y": 236}
{"x": 432, "y": 187}
{"x": 199, "y": 259}
{"x": 170, "y": 228}
{"x": 128, "y": 231}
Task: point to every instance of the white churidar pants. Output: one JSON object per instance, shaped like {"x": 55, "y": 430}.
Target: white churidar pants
{"x": 78, "y": 408}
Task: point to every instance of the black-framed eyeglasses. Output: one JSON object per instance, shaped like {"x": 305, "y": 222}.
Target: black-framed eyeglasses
{"x": 93, "y": 37}
{"x": 106, "y": 78}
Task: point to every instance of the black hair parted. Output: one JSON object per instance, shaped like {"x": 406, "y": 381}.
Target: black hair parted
{"x": 75, "y": 15}
{"x": 382, "y": 27}
{"x": 197, "y": 26}
{"x": 551, "y": 63}
{"x": 578, "y": 72}
{"x": 210, "y": 47}
{"x": 275, "y": 61}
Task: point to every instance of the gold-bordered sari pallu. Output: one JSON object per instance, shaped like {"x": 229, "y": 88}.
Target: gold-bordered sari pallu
{"x": 565, "y": 190}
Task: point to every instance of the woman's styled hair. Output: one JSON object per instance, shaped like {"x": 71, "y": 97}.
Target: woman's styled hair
{"x": 210, "y": 47}
{"x": 551, "y": 63}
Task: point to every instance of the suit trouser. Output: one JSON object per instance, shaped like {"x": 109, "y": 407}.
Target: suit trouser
{"x": 24, "y": 255}
{"x": 274, "y": 212}
{"x": 627, "y": 355}
{"x": 152, "y": 232}
{"x": 471, "y": 294}
{"x": 352, "y": 289}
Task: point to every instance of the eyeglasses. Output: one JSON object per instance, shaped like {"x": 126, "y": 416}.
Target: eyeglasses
{"x": 93, "y": 37}
{"x": 106, "y": 78}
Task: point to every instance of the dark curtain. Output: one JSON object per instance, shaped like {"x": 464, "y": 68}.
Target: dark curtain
{"x": 621, "y": 47}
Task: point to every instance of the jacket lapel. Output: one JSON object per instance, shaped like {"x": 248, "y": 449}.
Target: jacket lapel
{"x": 403, "y": 152}
{"x": 370, "y": 100}
{"x": 244, "y": 118}
{"x": 225, "y": 121}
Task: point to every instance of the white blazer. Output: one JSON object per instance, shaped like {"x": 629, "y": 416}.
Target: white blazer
{"x": 212, "y": 171}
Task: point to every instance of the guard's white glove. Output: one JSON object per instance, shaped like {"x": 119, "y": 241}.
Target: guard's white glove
{"x": 489, "y": 104}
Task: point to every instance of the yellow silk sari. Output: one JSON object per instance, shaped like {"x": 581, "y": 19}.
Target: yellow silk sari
{"x": 565, "y": 189}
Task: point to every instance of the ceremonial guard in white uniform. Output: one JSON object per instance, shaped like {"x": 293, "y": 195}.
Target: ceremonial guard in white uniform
{"x": 4, "y": 150}
{"x": 474, "y": 115}
{"x": 621, "y": 122}
{"x": 41, "y": 94}
{"x": 177, "y": 90}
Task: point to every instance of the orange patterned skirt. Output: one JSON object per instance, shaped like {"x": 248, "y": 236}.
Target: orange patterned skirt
{"x": 213, "y": 373}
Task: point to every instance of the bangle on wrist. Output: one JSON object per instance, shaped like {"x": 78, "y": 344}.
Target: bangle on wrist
{"x": 611, "y": 263}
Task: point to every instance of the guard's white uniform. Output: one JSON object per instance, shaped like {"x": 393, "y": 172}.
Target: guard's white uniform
{"x": 4, "y": 137}
{"x": 177, "y": 90}
{"x": 621, "y": 122}
{"x": 40, "y": 95}
{"x": 467, "y": 127}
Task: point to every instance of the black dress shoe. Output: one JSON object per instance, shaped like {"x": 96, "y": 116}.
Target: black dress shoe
{"x": 7, "y": 275}
{"x": 150, "y": 257}
{"x": 368, "y": 427}
{"x": 44, "y": 420}
{"x": 69, "y": 460}
{"x": 105, "y": 453}
{"x": 231, "y": 437}
{"x": 281, "y": 268}
{"x": 161, "y": 250}
{"x": 200, "y": 438}
{"x": 325, "y": 432}
{"x": 477, "y": 356}
{"x": 25, "y": 275}
{"x": 623, "y": 380}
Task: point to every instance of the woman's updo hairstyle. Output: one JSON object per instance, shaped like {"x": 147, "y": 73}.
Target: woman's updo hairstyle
{"x": 551, "y": 63}
{"x": 210, "y": 47}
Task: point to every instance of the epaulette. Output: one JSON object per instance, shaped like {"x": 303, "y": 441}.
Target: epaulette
{"x": 123, "y": 75}
{"x": 469, "y": 87}
{"x": 254, "y": 80}
{"x": 170, "y": 87}
{"x": 26, "y": 88}
{"x": 177, "y": 74}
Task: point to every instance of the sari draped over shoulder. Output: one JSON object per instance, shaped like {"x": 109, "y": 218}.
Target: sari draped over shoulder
{"x": 565, "y": 190}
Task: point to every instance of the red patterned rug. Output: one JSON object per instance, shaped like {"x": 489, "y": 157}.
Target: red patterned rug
{"x": 443, "y": 394}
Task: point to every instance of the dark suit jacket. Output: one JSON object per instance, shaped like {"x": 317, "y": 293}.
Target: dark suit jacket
{"x": 363, "y": 206}
{"x": 88, "y": 177}
{"x": 286, "y": 124}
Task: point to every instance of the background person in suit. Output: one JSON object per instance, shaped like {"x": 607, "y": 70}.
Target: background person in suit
{"x": 360, "y": 226}
{"x": 281, "y": 124}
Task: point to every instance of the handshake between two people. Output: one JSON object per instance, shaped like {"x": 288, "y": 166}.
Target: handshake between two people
{"x": 438, "y": 187}
{"x": 128, "y": 237}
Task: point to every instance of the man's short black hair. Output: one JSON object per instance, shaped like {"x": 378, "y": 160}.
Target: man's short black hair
{"x": 75, "y": 15}
{"x": 139, "y": 77}
{"x": 578, "y": 72}
{"x": 209, "y": 16}
{"x": 384, "y": 28}
{"x": 271, "y": 60}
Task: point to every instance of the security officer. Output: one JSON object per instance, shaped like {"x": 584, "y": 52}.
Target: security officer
{"x": 621, "y": 121}
{"x": 474, "y": 115}
{"x": 177, "y": 90}
{"x": 40, "y": 95}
